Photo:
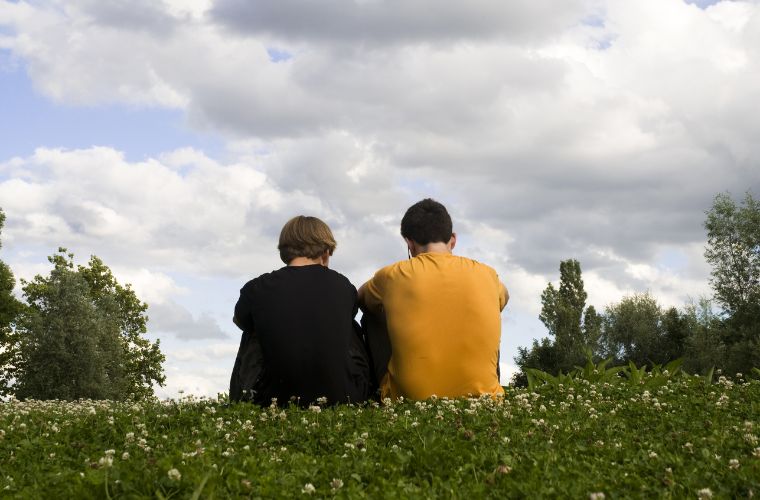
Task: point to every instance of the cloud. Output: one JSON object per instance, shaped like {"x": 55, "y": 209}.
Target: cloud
{"x": 392, "y": 21}
{"x": 173, "y": 318}
{"x": 598, "y": 130}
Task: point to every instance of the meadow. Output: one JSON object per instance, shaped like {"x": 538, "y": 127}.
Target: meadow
{"x": 652, "y": 435}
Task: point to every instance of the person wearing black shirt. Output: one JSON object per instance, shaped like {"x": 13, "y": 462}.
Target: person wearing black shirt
{"x": 300, "y": 341}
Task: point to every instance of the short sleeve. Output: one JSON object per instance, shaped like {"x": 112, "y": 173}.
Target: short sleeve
{"x": 374, "y": 291}
{"x": 503, "y": 296}
{"x": 243, "y": 309}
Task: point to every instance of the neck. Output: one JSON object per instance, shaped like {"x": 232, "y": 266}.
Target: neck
{"x": 437, "y": 247}
{"x": 304, "y": 261}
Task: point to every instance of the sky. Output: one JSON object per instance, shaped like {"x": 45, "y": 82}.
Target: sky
{"x": 174, "y": 138}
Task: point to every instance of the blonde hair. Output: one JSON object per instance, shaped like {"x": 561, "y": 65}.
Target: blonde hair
{"x": 305, "y": 236}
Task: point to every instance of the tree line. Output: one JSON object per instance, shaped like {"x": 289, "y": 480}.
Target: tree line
{"x": 77, "y": 334}
{"x": 721, "y": 332}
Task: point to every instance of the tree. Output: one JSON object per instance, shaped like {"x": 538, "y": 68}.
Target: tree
{"x": 9, "y": 310}
{"x": 733, "y": 250}
{"x": 81, "y": 336}
{"x": 574, "y": 331}
{"x": 633, "y": 332}
{"x": 562, "y": 311}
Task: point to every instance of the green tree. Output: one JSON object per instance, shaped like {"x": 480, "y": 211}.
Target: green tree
{"x": 10, "y": 307}
{"x": 633, "y": 332}
{"x": 82, "y": 336}
{"x": 733, "y": 251}
{"x": 704, "y": 348}
{"x": 573, "y": 330}
{"x": 562, "y": 312}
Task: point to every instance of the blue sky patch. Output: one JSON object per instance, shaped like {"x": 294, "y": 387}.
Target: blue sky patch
{"x": 138, "y": 132}
{"x": 278, "y": 55}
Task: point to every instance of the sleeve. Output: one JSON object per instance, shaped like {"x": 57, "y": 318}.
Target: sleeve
{"x": 374, "y": 291}
{"x": 503, "y": 296}
{"x": 243, "y": 309}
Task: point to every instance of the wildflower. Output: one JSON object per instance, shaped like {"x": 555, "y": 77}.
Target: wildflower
{"x": 130, "y": 436}
{"x": 652, "y": 454}
{"x": 756, "y": 452}
{"x": 596, "y": 496}
{"x": 174, "y": 474}
{"x": 308, "y": 489}
{"x": 125, "y": 455}
{"x": 106, "y": 461}
{"x": 336, "y": 484}
{"x": 315, "y": 409}
{"x": 704, "y": 494}
{"x": 110, "y": 453}
{"x": 734, "y": 464}
{"x": 321, "y": 400}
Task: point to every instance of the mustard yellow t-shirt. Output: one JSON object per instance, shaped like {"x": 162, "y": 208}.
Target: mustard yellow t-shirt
{"x": 444, "y": 322}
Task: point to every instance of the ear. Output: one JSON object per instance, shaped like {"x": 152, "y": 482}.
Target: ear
{"x": 409, "y": 244}
{"x": 325, "y": 258}
{"x": 453, "y": 241}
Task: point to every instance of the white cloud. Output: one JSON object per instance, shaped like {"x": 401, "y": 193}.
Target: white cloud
{"x": 598, "y": 130}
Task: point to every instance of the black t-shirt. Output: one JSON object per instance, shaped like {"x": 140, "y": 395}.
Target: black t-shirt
{"x": 303, "y": 317}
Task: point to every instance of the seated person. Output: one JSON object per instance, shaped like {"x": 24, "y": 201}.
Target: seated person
{"x": 443, "y": 314}
{"x": 300, "y": 341}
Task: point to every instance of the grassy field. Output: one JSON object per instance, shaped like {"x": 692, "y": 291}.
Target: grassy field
{"x": 677, "y": 436}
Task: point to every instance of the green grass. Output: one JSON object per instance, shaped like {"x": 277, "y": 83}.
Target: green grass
{"x": 667, "y": 439}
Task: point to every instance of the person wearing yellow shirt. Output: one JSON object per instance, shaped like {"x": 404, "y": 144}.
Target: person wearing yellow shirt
{"x": 442, "y": 311}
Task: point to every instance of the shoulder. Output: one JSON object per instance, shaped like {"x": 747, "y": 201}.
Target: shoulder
{"x": 338, "y": 277}
{"x": 255, "y": 283}
{"x": 484, "y": 268}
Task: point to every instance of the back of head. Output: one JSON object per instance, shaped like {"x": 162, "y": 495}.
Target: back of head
{"x": 427, "y": 221}
{"x": 305, "y": 236}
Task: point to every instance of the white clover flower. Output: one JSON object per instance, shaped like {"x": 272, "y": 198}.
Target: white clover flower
{"x": 125, "y": 455}
{"x": 652, "y": 454}
{"x": 596, "y": 496}
{"x": 336, "y": 484}
{"x": 704, "y": 494}
{"x": 174, "y": 474}
{"x": 308, "y": 489}
{"x": 734, "y": 464}
{"x": 315, "y": 409}
{"x": 130, "y": 436}
{"x": 106, "y": 461}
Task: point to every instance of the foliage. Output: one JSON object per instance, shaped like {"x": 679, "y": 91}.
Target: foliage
{"x": 81, "y": 336}
{"x": 10, "y": 307}
{"x": 573, "y": 331}
{"x": 652, "y": 441}
{"x": 637, "y": 329}
{"x": 733, "y": 250}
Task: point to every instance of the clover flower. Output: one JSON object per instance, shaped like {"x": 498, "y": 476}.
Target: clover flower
{"x": 336, "y": 484}
{"x": 174, "y": 474}
{"x": 734, "y": 464}
{"x": 596, "y": 496}
{"x": 308, "y": 489}
{"x": 704, "y": 494}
